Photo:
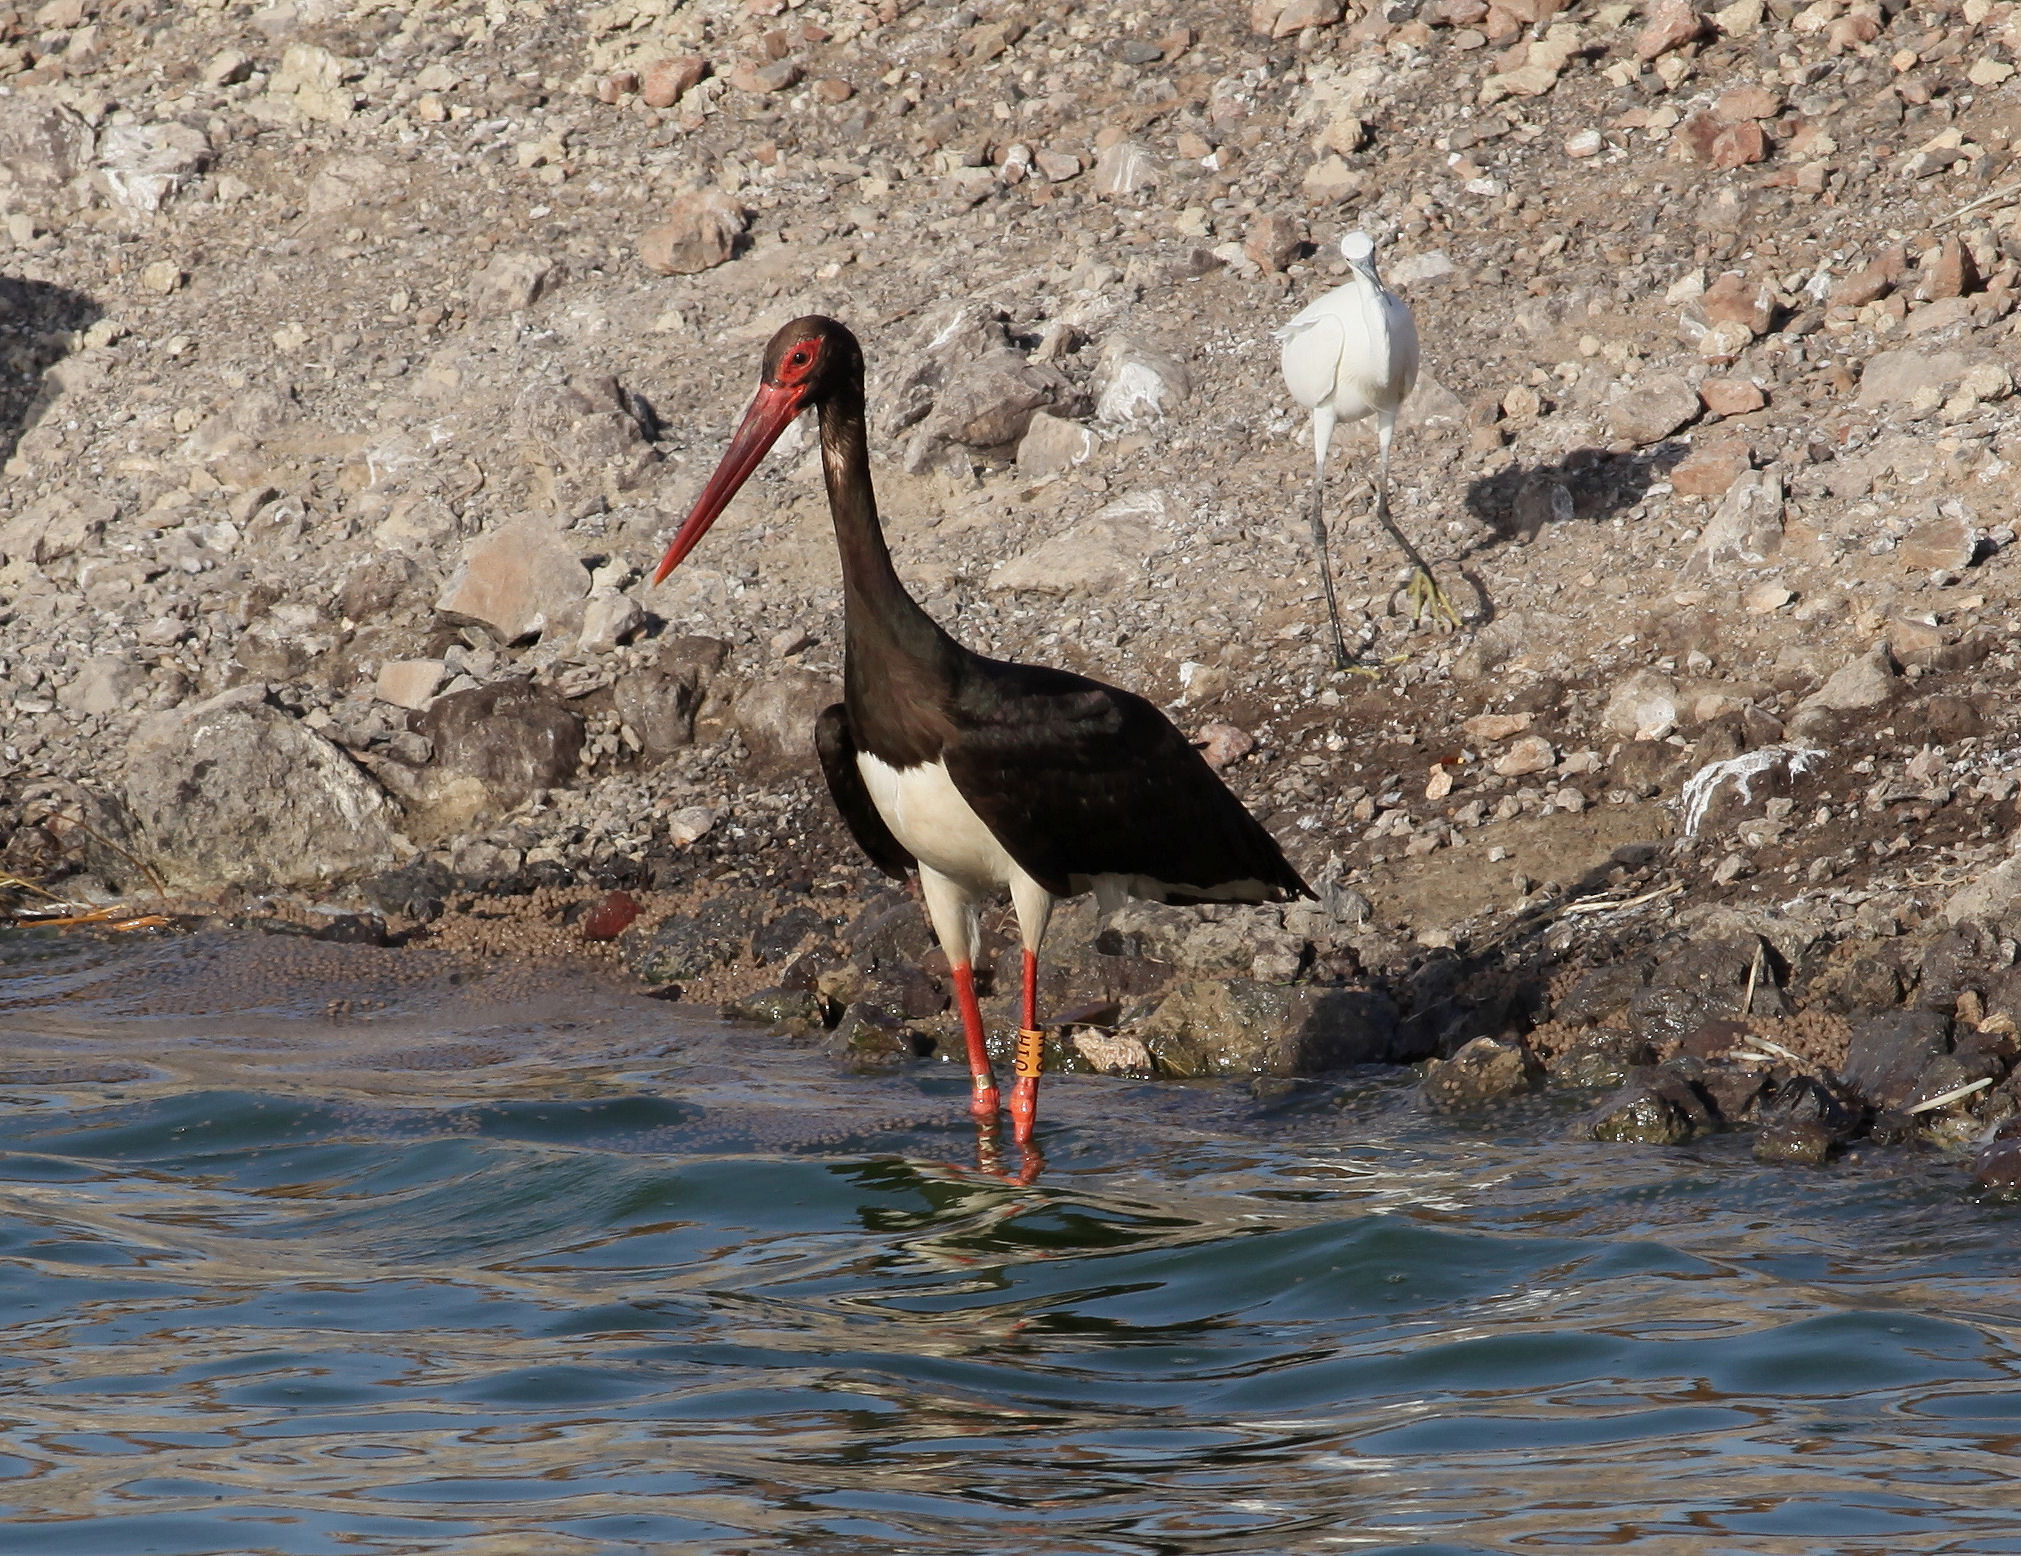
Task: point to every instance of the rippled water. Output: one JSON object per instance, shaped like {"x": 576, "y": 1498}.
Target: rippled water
{"x": 307, "y": 1249}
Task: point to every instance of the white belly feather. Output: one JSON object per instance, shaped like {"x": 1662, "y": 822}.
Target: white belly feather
{"x": 926, "y": 813}
{"x": 960, "y": 859}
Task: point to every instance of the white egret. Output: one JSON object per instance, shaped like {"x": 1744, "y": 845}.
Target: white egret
{"x": 1350, "y": 354}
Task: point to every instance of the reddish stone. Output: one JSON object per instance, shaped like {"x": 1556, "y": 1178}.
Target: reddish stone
{"x": 1273, "y": 241}
{"x": 1731, "y": 396}
{"x": 1697, "y": 134}
{"x": 1739, "y": 104}
{"x": 1873, "y": 280}
{"x": 775, "y": 77}
{"x": 1710, "y": 471}
{"x": 1671, "y": 25}
{"x": 610, "y": 917}
{"x": 666, "y": 80}
{"x": 1739, "y": 144}
{"x": 1733, "y": 299}
{"x": 1953, "y": 274}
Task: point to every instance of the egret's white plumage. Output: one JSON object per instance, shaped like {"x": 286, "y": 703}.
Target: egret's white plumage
{"x": 1349, "y": 354}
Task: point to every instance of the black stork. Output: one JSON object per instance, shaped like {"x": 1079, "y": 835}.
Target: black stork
{"x": 983, "y": 774}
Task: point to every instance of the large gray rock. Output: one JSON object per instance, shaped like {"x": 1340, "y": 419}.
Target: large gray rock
{"x": 1135, "y": 382}
{"x": 1653, "y": 409}
{"x": 510, "y": 282}
{"x": 147, "y": 165}
{"x": 701, "y": 231}
{"x": 1887, "y": 1053}
{"x": 1991, "y": 897}
{"x": 1106, "y": 552}
{"x": 49, "y": 530}
{"x": 1052, "y": 444}
{"x": 1237, "y": 1026}
{"x": 659, "y": 699}
{"x": 949, "y": 337}
{"x": 1866, "y": 682}
{"x": 105, "y": 685}
{"x": 491, "y": 748}
{"x": 776, "y": 715}
{"x": 1746, "y": 529}
{"x": 515, "y": 582}
{"x": 1643, "y": 706}
{"x": 237, "y": 792}
{"x": 1896, "y": 377}
{"x": 41, "y": 145}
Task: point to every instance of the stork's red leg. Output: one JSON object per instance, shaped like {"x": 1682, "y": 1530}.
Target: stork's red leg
{"x": 1031, "y": 1056}
{"x": 983, "y": 1103}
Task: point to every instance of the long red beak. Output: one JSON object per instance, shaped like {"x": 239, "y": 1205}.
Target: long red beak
{"x": 771, "y": 413}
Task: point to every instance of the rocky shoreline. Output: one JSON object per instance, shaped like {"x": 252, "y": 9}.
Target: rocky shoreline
{"x": 362, "y": 356}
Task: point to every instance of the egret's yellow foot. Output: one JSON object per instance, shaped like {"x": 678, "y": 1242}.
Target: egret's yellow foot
{"x": 1427, "y": 598}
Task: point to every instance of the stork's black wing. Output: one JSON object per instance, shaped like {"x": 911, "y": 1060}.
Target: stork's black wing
{"x": 1078, "y": 779}
{"x": 836, "y": 747}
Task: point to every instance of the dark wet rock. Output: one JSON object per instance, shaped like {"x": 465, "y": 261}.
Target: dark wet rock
{"x": 809, "y": 968}
{"x": 492, "y": 748}
{"x": 801, "y": 1008}
{"x": 1605, "y": 1056}
{"x": 776, "y": 716}
{"x": 335, "y": 928}
{"x": 1714, "y": 1038}
{"x": 1957, "y": 960}
{"x": 908, "y": 991}
{"x": 414, "y": 891}
{"x": 1603, "y": 995}
{"x": 1891, "y": 1126}
{"x": 1733, "y": 1090}
{"x": 1655, "y": 1110}
{"x": 1793, "y": 1143}
{"x": 660, "y": 699}
{"x": 1706, "y": 981}
{"x": 1871, "y": 982}
{"x": 871, "y": 1032}
{"x": 1808, "y": 1099}
{"x": 891, "y": 931}
{"x": 1889, "y": 1051}
{"x": 785, "y": 934}
{"x": 1238, "y": 1026}
{"x": 689, "y": 945}
{"x": 1946, "y": 1074}
{"x": 236, "y": 791}
{"x": 1997, "y": 1169}
{"x": 1485, "y": 1069}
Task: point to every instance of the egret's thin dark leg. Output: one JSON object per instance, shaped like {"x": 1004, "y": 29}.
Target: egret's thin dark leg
{"x": 1428, "y": 591}
{"x": 1340, "y": 659}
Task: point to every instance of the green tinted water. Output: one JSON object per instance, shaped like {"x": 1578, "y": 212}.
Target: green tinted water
{"x": 306, "y": 1249}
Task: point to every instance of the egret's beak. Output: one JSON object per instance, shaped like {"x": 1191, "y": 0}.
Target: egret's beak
{"x": 771, "y": 412}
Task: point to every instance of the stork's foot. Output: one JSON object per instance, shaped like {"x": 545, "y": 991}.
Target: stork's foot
{"x": 984, "y": 1102}
{"x": 1024, "y": 1108}
{"x": 990, "y": 1157}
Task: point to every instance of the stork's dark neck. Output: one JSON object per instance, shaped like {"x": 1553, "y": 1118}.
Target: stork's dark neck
{"x": 889, "y": 643}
